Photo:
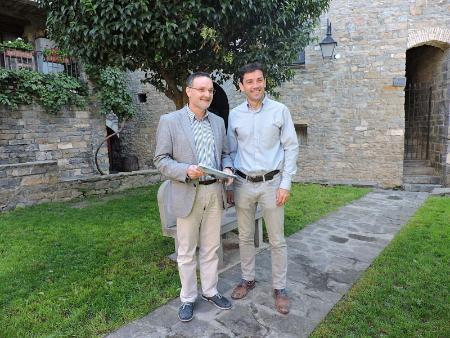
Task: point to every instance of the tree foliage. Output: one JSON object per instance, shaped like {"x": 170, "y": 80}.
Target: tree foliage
{"x": 170, "y": 39}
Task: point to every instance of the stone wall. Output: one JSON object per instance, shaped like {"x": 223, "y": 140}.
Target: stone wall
{"x": 70, "y": 137}
{"x": 39, "y": 150}
{"x": 38, "y": 183}
{"x": 138, "y": 136}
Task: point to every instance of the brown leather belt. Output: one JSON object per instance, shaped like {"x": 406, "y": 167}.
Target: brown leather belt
{"x": 266, "y": 177}
{"x": 207, "y": 182}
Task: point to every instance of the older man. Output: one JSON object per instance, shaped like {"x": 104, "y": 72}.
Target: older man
{"x": 186, "y": 138}
{"x": 264, "y": 148}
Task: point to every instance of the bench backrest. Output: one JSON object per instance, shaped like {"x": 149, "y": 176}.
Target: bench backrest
{"x": 168, "y": 219}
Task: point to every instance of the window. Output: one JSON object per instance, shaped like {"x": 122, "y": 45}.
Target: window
{"x": 302, "y": 133}
{"x": 300, "y": 59}
{"x": 142, "y": 97}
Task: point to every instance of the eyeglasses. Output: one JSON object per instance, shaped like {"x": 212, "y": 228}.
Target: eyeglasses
{"x": 204, "y": 90}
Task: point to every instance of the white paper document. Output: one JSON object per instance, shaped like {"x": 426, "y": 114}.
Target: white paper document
{"x": 214, "y": 172}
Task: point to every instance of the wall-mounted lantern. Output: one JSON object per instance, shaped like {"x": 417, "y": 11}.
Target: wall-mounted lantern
{"x": 328, "y": 44}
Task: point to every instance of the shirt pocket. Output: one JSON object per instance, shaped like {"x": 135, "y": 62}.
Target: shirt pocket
{"x": 270, "y": 134}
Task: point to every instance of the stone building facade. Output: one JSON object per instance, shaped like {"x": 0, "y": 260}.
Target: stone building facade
{"x": 354, "y": 121}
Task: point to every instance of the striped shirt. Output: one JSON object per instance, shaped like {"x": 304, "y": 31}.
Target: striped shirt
{"x": 204, "y": 141}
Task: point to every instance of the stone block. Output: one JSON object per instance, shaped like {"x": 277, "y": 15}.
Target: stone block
{"x": 34, "y": 180}
{"x": 62, "y": 162}
{"x": 82, "y": 114}
{"x": 80, "y": 144}
{"x": 24, "y": 171}
{"x": 396, "y": 132}
{"x": 48, "y": 146}
{"x": 7, "y": 136}
{"x": 42, "y": 169}
{"x": 19, "y": 142}
{"x": 65, "y": 145}
{"x": 9, "y": 183}
{"x": 41, "y": 156}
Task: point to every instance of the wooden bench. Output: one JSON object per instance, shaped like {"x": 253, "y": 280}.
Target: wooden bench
{"x": 229, "y": 222}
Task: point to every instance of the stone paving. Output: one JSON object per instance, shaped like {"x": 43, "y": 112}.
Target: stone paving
{"x": 325, "y": 259}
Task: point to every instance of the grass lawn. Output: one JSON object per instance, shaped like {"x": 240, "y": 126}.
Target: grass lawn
{"x": 85, "y": 268}
{"x": 406, "y": 291}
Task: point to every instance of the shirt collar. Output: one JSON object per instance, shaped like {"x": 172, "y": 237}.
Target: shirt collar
{"x": 264, "y": 102}
{"x": 191, "y": 114}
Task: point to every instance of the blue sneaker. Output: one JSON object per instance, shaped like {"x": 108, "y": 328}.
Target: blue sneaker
{"x": 186, "y": 311}
{"x": 218, "y": 300}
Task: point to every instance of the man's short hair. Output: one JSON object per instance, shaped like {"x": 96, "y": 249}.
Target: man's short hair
{"x": 250, "y": 68}
{"x": 190, "y": 79}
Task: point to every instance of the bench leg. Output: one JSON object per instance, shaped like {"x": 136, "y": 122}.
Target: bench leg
{"x": 175, "y": 254}
{"x": 220, "y": 254}
{"x": 258, "y": 232}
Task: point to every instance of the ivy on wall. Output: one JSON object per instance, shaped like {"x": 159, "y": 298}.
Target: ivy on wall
{"x": 51, "y": 91}
{"x": 56, "y": 90}
{"x": 112, "y": 91}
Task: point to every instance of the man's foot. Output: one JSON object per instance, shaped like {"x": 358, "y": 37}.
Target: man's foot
{"x": 281, "y": 300}
{"x": 186, "y": 311}
{"x": 218, "y": 300}
{"x": 241, "y": 290}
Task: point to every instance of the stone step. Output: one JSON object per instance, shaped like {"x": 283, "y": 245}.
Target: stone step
{"x": 416, "y": 163}
{"x": 428, "y": 179}
{"x": 441, "y": 191}
{"x": 420, "y": 187}
{"x": 416, "y": 171}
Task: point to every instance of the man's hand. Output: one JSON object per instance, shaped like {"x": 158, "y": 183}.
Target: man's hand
{"x": 282, "y": 196}
{"x": 230, "y": 197}
{"x": 194, "y": 172}
{"x": 229, "y": 179}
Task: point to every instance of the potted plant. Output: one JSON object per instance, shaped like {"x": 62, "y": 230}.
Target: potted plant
{"x": 56, "y": 55}
{"x": 17, "y": 48}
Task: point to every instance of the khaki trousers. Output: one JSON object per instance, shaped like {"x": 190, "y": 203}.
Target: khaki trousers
{"x": 200, "y": 228}
{"x": 246, "y": 197}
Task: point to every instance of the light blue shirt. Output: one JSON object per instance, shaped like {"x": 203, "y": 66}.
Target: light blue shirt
{"x": 264, "y": 140}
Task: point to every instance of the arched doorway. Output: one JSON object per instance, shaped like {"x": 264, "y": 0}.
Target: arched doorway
{"x": 219, "y": 105}
{"x": 115, "y": 162}
{"x": 426, "y": 117}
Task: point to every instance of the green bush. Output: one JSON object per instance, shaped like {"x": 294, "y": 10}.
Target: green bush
{"x": 51, "y": 91}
